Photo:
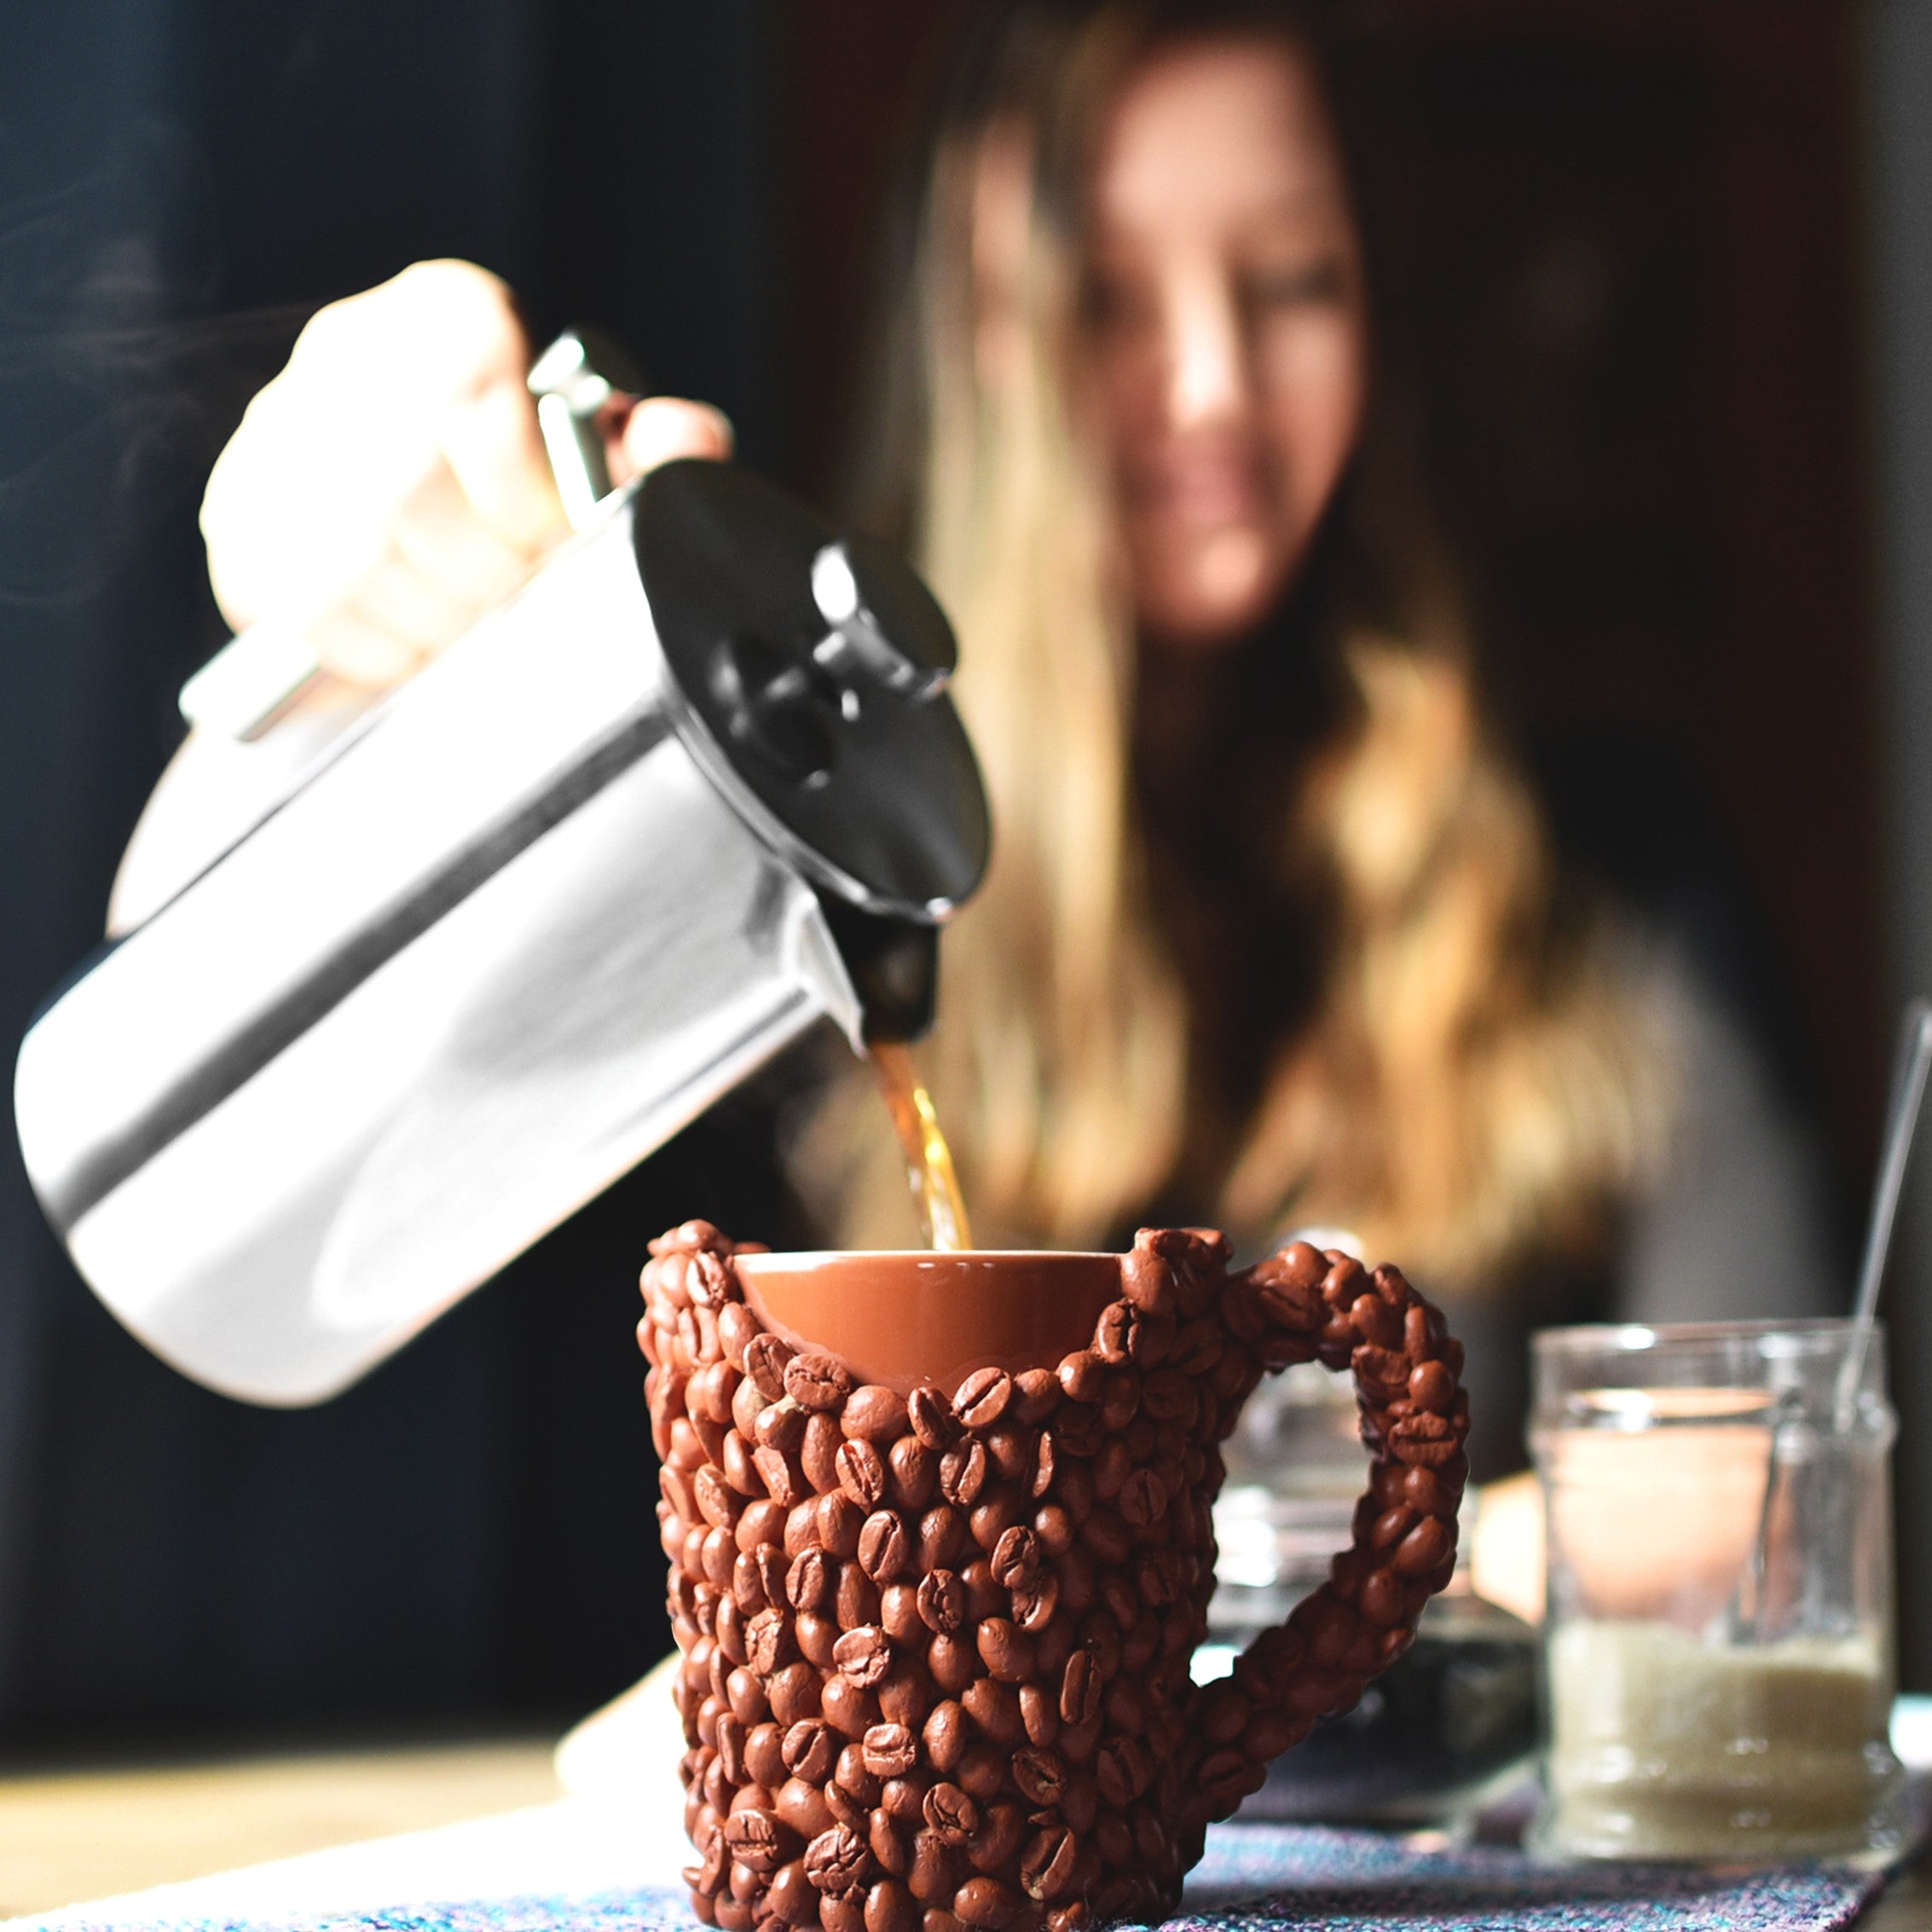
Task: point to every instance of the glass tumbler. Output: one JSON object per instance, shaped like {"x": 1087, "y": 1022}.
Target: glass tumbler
{"x": 1718, "y": 1649}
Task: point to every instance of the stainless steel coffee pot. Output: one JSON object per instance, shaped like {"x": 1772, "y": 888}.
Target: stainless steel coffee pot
{"x": 697, "y": 786}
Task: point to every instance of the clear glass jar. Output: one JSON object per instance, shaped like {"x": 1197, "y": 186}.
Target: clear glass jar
{"x": 1718, "y": 1661}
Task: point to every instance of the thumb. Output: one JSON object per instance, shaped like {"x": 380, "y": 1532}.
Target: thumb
{"x": 661, "y": 427}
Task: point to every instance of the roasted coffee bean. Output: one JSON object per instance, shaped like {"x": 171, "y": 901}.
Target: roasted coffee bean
{"x": 847, "y": 1706}
{"x": 912, "y": 1474}
{"x": 906, "y": 1693}
{"x": 1079, "y": 1377}
{"x": 764, "y": 1755}
{"x": 808, "y": 1581}
{"x": 800, "y": 1805}
{"x": 745, "y": 1694}
{"x": 754, "y": 1838}
{"x": 730, "y": 1748}
{"x": 842, "y": 1912}
{"x": 1080, "y": 1688}
{"x": 1114, "y": 1334}
{"x": 790, "y": 1897}
{"x": 1036, "y": 1395}
{"x": 747, "y": 1585}
{"x": 852, "y": 1777}
{"x": 1006, "y": 1650}
{"x": 941, "y": 1600}
{"x": 883, "y": 1550}
{"x": 781, "y": 1426}
{"x": 1039, "y": 1711}
{"x": 794, "y": 1693}
{"x": 765, "y": 1359}
{"x": 1111, "y": 1467}
{"x": 845, "y": 1808}
{"x": 934, "y": 1868}
{"x": 890, "y": 1907}
{"x": 1424, "y": 1491}
{"x": 940, "y": 1534}
{"x": 1040, "y": 1775}
{"x": 1107, "y": 1537}
{"x": 815, "y": 1635}
{"x": 737, "y": 1325}
{"x": 996, "y": 1844}
{"x": 899, "y": 1614}
{"x": 1147, "y": 1280}
{"x": 837, "y": 1859}
{"x": 857, "y": 1599}
{"x": 951, "y": 1814}
{"x": 861, "y": 1472}
{"x": 715, "y": 1502}
{"x": 1424, "y": 1439}
{"x": 1016, "y": 1558}
{"x": 818, "y": 1453}
{"x": 1047, "y": 1863}
{"x": 864, "y": 1654}
{"x": 890, "y": 1750}
{"x": 1431, "y": 1542}
{"x": 1053, "y": 1528}
{"x": 874, "y": 1414}
{"x": 817, "y": 1381}
{"x": 1040, "y": 1475}
{"x": 891, "y": 1847}
{"x": 953, "y": 1661}
{"x": 945, "y": 1736}
{"x": 834, "y": 1521}
{"x": 1077, "y": 1430}
{"x": 1431, "y": 1386}
{"x": 981, "y": 1399}
{"x": 1142, "y": 1500}
{"x": 995, "y": 1709}
{"x": 762, "y": 1523}
{"x": 1008, "y": 1447}
{"x": 740, "y": 1470}
{"x": 1125, "y": 1707}
{"x": 963, "y": 1472}
{"x": 1035, "y": 1603}
{"x": 903, "y": 1798}
{"x": 783, "y": 1483}
{"x": 770, "y": 1643}
{"x": 995, "y": 1513}
{"x": 933, "y": 1418}
{"x": 988, "y": 1905}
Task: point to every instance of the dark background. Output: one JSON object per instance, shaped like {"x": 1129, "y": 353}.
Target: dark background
{"x": 1638, "y": 226}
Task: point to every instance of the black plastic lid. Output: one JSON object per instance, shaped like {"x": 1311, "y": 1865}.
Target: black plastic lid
{"x": 816, "y": 666}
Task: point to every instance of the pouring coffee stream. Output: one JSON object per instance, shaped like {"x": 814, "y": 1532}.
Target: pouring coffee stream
{"x": 928, "y": 1160}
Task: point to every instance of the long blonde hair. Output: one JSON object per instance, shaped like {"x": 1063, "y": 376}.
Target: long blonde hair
{"x": 1468, "y": 1086}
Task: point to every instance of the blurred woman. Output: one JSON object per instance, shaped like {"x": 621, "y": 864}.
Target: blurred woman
{"x": 1276, "y": 933}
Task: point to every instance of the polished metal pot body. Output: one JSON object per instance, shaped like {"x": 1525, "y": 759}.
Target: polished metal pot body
{"x": 503, "y": 939}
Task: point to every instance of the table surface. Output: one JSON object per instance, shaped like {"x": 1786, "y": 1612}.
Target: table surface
{"x": 70, "y": 1836}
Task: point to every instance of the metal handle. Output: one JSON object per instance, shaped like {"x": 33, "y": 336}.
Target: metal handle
{"x": 256, "y": 676}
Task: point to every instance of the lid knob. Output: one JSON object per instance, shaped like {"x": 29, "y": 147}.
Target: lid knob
{"x": 886, "y": 629}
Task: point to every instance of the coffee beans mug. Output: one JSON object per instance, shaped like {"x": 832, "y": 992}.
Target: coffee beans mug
{"x": 941, "y": 1549}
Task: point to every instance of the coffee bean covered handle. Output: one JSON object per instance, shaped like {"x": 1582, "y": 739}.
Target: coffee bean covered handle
{"x": 1303, "y": 1304}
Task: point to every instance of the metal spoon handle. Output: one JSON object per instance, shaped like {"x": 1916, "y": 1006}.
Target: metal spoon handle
{"x": 1910, "y": 1069}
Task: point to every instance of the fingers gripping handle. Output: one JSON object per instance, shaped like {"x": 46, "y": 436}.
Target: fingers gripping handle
{"x": 1303, "y": 1304}
{"x": 256, "y": 676}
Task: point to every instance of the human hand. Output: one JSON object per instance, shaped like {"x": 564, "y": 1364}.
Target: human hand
{"x": 390, "y": 486}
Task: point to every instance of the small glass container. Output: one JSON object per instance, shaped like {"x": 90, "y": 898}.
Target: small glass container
{"x": 1718, "y": 1660}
